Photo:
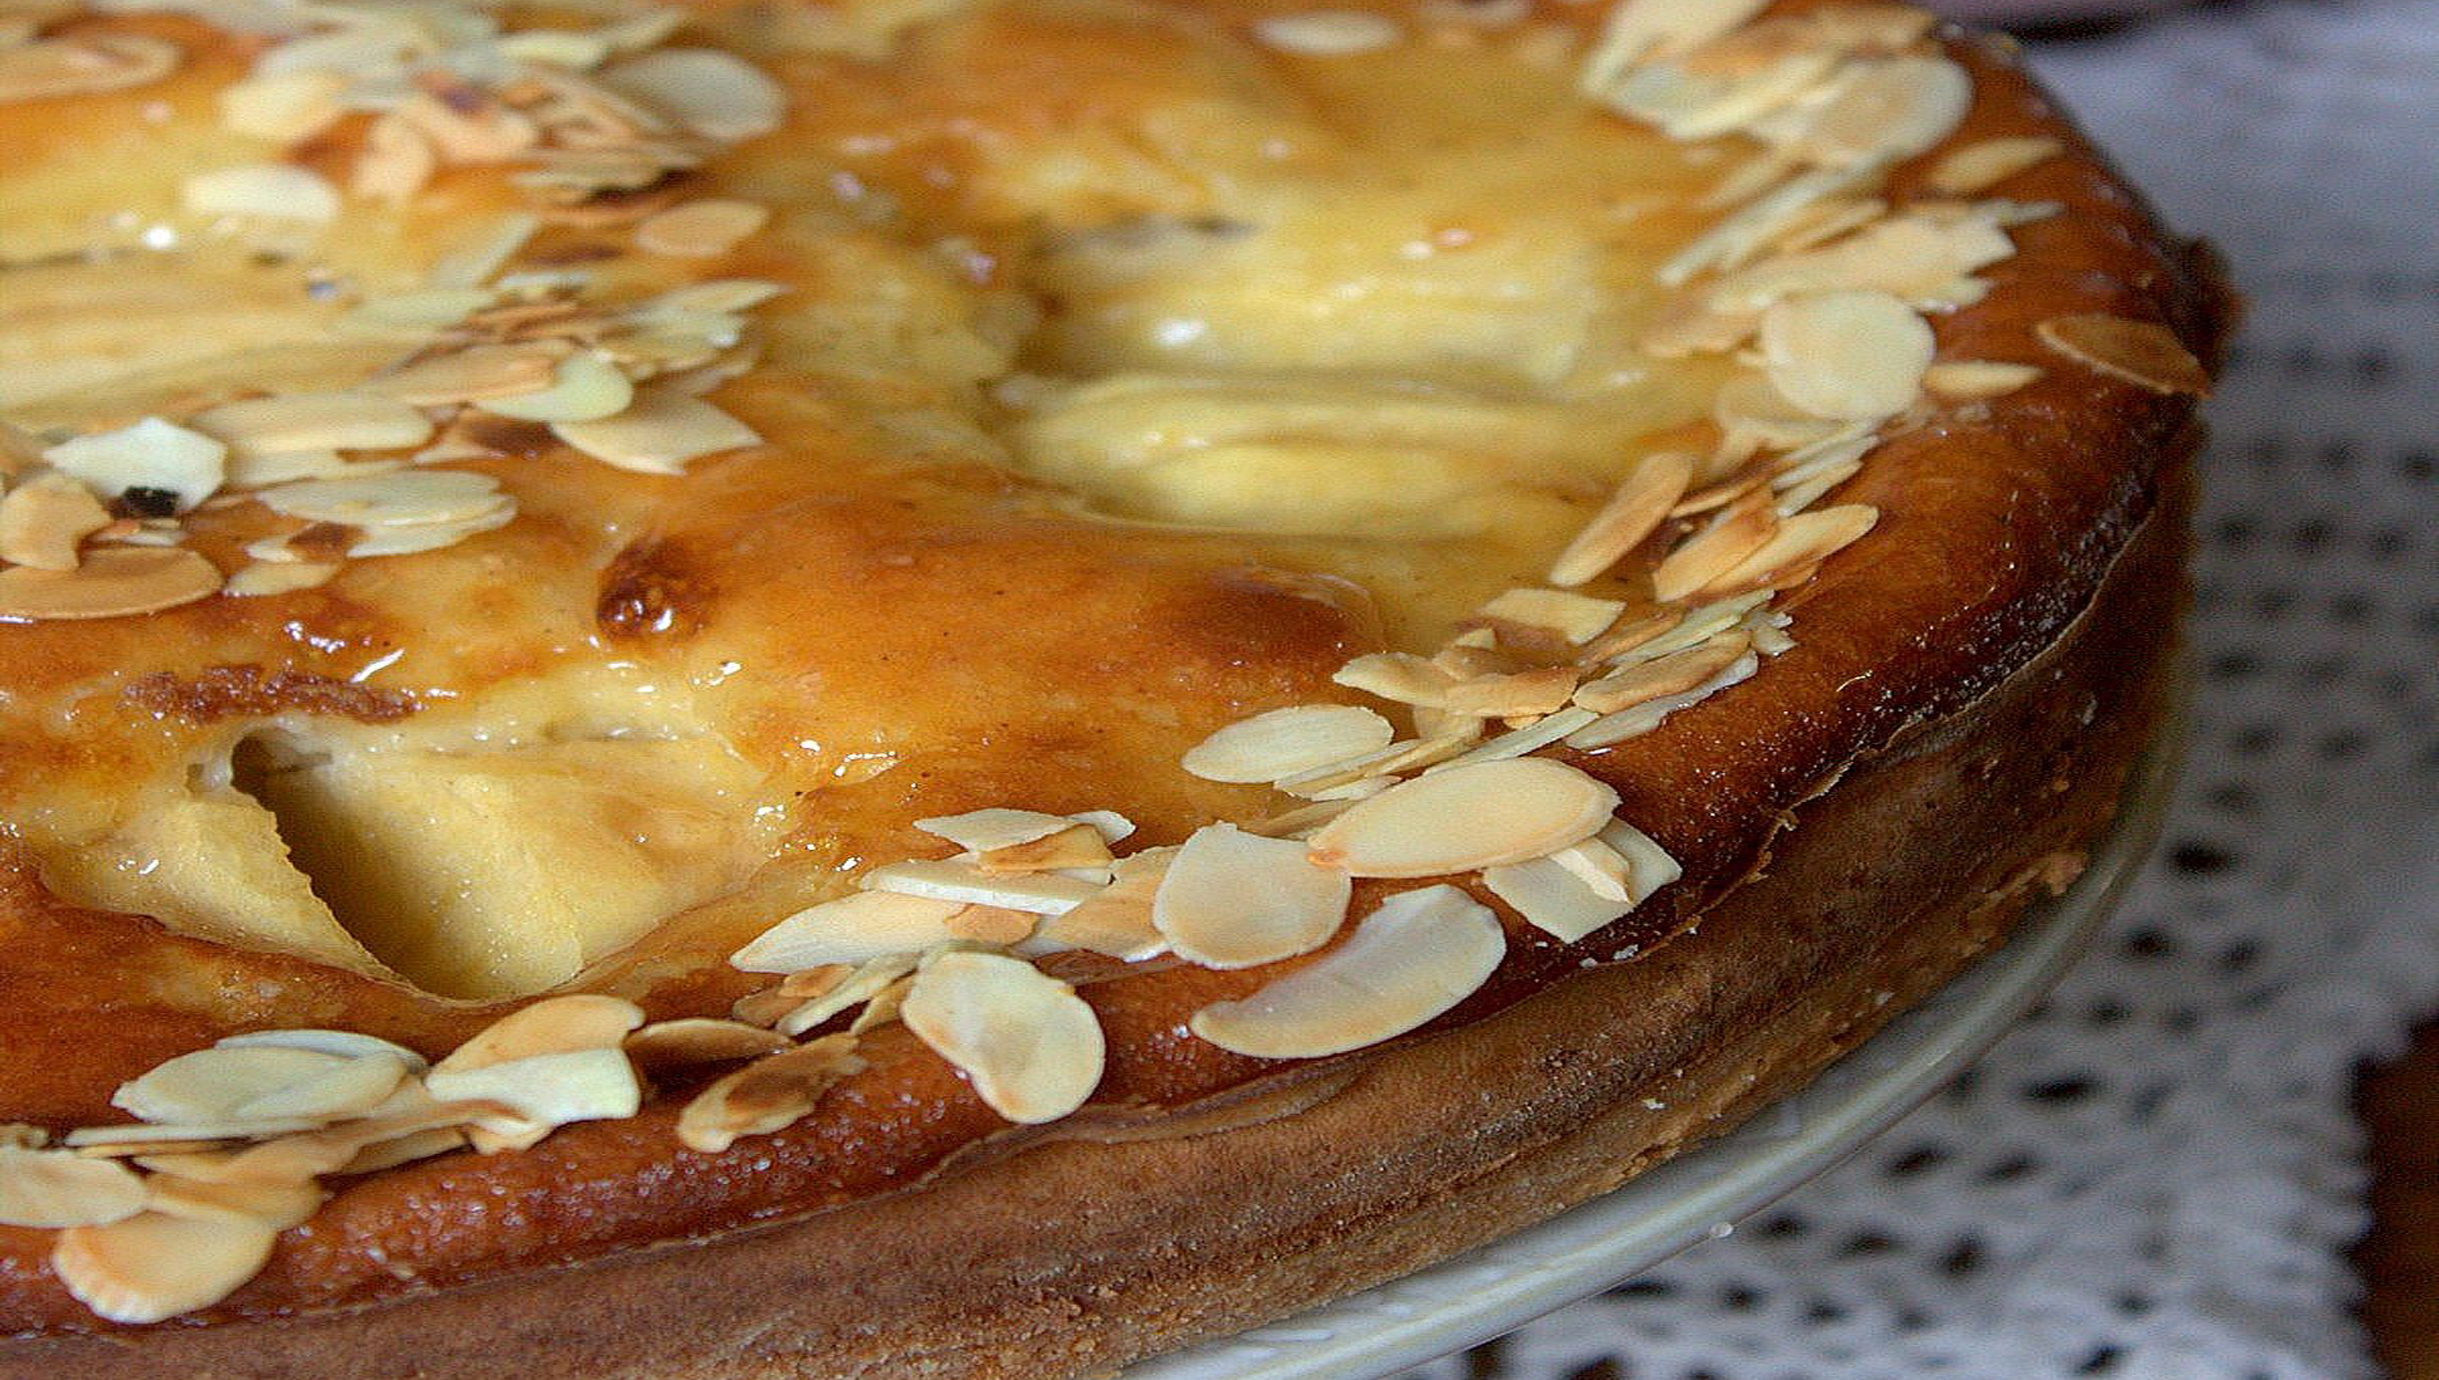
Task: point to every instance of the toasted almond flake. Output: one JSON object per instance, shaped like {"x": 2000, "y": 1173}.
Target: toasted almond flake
{"x": 1517, "y": 742}
{"x": 1753, "y": 414}
{"x": 1117, "y": 920}
{"x": 469, "y": 132}
{"x": 2144, "y": 353}
{"x": 1328, "y": 33}
{"x": 153, "y": 1266}
{"x": 1465, "y": 818}
{"x": 394, "y": 498}
{"x": 1576, "y": 618}
{"x": 584, "y": 388}
{"x": 270, "y": 191}
{"x": 421, "y": 311}
{"x": 851, "y": 929}
{"x": 991, "y": 925}
{"x": 1701, "y": 624}
{"x": 403, "y": 539}
{"x": 1887, "y": 111}
{"x": 1626, "y": 637}
{"x": 109, "y": 583}
{"x": 1042, "y": 893}
{"x": 133, "y": 1139}
{"x": 1632, "y": 513}
{"x": 981, "y": 831}
{"x": 1648, "y": 866}
{"x": 405, "y": 1149}
{"x": 149, "y": 454}
{"x": 1412, "y": 754}
{"x": 211, "y": 1085}
{"x": 1397, "y": 676}
{"x": 1231, "y": 899}
{"x": 884, "y": 1007}
{"x": 541, "y": 1091}
{"x": 866, "y": 982}
{"x": 1556, "y": 899}
{"x": 1610, "y": 729}
{"x": 1755, "y": 224}
{"x": 700, "y": 229}
{"x": 714, "y": 94}
{"x": 1536, "y": 691}
{"x": 344, "y": 1044}
{"x": 694, "y": 1040}
{"x": 718, "y": 296}
{"x": 478, "y": 373}
{"x": 483, "y": 253}
{"x": 1971, "y": 169}
{"x": 1740, "y": 529}
{"x": 1411, "y": 960}
{"x": 771, "y": 1094}
{"x": 84, "y": 65}
{"x": 1303, "y": 821}
{"x": 1847, "y": 356}
{"x": 554, "y": 1025}
{"x": 324, "y": 1150}
{"x": 53, "y": 1188}
{"x": 283, "y": 106}
{"x": 354, "y": 1088}
{"x": 659, "y": 434}
{"x": 1800, "y": 543}
{"x": 1644, "y": 681}
{"x": 276, "y": 1206}
{"x": 1284, "y": 742}
{"x": 396, "y": 165}
{"x": 285, "y": 467}
{"x": 1030, "y": 1046}
{"x": 1973, "y": 380}
{"x": 269, "y": 578}
{"x": 1641, "y": 31}
{"x": 815, "y": 981}
{"x": 44, "y": 519}
{"x": 1076, "y": 846}
{"x": 288, "y": 422}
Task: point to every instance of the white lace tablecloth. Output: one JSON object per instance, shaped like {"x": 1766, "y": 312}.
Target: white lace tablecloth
{"x": 2157, "y": 1176}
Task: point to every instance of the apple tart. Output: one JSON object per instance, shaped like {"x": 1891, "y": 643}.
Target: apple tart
{"x": 917, "y": 687}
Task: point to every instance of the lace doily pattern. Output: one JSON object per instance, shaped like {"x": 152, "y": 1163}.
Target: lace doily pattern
{"x": 2157, "y": 1175}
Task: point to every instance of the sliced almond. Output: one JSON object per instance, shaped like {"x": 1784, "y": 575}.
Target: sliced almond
{"x": 255, "y": 1202}
{"x": 109, "y": 583}
{"x": 44, "y": 519}
{"x": 851, "y": 929}
{"x": 1740, "y": 530}
{"x": 1117, "y": 920}
{"x": 553, "y": 1025}
{"x": 1642, "y": 718}
{"x": 268, "y": 578}
{"x": 404, "y": 539}
{"x": 1847, "y": 356}
{"x": 2144, "y": 353}
{"x": 53, "y": 1188}
{"x": 1030, "y": 1046}
{"x": 864, "y": 983}
{"x": 1409, "y": 961}
{"x": 1640, "y": 31}
{"x": 1974, "y": 380}
{"x": 700, "y": 229}
{"x": 1283, "y": 742}
{"x": 344, "y": 1044}
{"x": 344, "y": 420}
{"x": 475, "y": 374}
{"x": 1674, "y": 674}
{"x": 1575, "y": 618}
{"x": 1401, "y": 677}
{"x": 1536, "y": 691}
{"x": 1517, "y": 742}
{"x": 661, "y": 433}
{"x": 714, "y": 94}
{"x": 1569, "y": 894}
{"x": 1474, "y": 816}
{"x": 397, "y": 163}
{"x": 153, "y": 1266}
{"x": 541, "y": 1091}
{"x": 143, "y": 1138}
{"x": 1044, "y": 893}
{"x": 770, "y": 1094}
{"x": 150, "y": 456}
{"x": 403, "y": 498}
{"x": 1971, "y": 169}
{"x": 1328, "y": 33}
{"x": 700, "y": 1040}
{"x": 584, "y": 388}
{"x": 1633, "y": 513}
{"x": 1231, "y": 899}
{"x": 1800, "y": 543}
{"x": 1413, "y": 754}
{"x": 268, "y": 191}
{"x": 982, "y": 831}
{"x": 1076, "y": 846}
{"x": 1886, "y": 111}
{"x": 283, "y": 106}
{"x": 85, "y": 65}
{"x": 994, "y": 926}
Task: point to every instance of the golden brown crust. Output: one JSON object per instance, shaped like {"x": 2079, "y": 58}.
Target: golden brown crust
{"x": 1998, "y": 528}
